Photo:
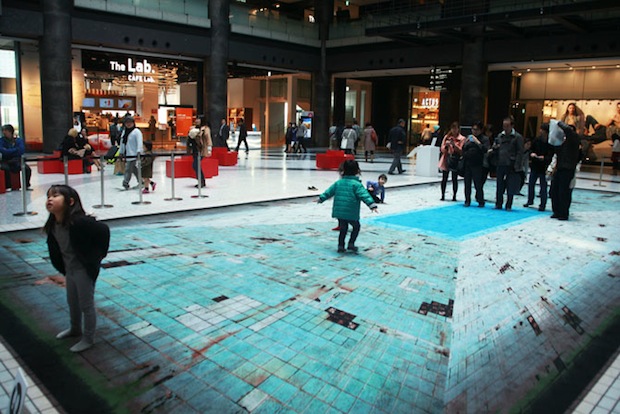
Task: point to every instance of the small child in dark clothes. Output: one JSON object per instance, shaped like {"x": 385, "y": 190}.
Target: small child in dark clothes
{"x": 77, "y": 244}
{"x": 348, "y": 191}
{"x": 147, "y": 166}
{"x": 377, "y": 188}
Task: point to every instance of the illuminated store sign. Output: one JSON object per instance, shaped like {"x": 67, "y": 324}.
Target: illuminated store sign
{"x": 138, "y": 71}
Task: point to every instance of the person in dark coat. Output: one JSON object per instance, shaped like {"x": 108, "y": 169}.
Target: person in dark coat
{"x": 474, "y": 149}
{"x": 540, "y": 158}
{"x": 509, "y": 154}
{"x": 568, "y": 155}
{"x": 397, "y": 137}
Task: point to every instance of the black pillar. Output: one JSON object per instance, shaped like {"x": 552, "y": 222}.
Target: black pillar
{"x": 216, "y": 105}
{"x": 340, "y": 93}
{"x": 321, "y": 80}
{"x": 55, "y": 56}
{"x": 473, "y": 80}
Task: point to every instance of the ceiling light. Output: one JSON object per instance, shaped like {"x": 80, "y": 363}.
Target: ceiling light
{"x": 593, "y": 67}
{"x": 528, "y": 69}
{"x": 548, "y": 69}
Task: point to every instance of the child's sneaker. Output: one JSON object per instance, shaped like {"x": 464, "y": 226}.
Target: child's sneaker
{"x": 145, "y": 191}
{"x": 153, "y": 185}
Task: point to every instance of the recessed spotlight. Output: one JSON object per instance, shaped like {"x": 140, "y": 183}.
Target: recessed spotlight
{"x": 593, "y": 67}
{"x": 548, "y": 69}
{"x": 528, "y": 69}
{"x": 570, "y": 68}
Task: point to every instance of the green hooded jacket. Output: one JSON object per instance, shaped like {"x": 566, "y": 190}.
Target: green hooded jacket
{"x": 347, "y": 193}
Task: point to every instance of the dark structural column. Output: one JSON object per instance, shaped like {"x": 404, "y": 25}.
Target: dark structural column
{"x": 216, "y": 69}
{"x": 55, "y": 56}
{"x": 474, "y": 76}
{"x": 340, "y": 94}
{"x": 321, "y": 80}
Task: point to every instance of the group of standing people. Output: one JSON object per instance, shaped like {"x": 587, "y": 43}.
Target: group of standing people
{"x": 511, "y": 156}
{"x": 295, "y": 138}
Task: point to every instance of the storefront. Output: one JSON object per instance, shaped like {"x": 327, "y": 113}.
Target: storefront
{"x": 154, "y": 90}
{"x": 545, "y": 93}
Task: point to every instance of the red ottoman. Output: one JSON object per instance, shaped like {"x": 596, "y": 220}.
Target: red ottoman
{"x": 224, "y": 157}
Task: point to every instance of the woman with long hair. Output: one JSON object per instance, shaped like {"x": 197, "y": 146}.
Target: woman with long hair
{"x": 451, "y": 145}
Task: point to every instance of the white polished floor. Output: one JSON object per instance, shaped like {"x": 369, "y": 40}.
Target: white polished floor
{"x": 261, "y": 175}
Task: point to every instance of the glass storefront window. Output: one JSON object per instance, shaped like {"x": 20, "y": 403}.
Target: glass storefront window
{"x": 9, "y": 110}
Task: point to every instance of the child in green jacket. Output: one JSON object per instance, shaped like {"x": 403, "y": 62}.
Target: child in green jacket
{"x": 347, "y": 193}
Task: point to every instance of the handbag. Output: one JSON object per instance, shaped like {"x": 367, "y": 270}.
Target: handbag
{"x": 453, "y": 162}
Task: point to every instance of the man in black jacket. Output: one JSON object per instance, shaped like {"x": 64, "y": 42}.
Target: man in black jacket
{"x": 567, "y": 159}
{"x": 397, "y": 138}
{"x": 540, "y": 158}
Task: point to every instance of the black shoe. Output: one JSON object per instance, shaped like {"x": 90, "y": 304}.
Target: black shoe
{"x": 453, "y": 198}
{"x": 403, "y": 171}
{"x": 481, "y": 205}
{"x": 497, "y": 207}
{"x": 352, "y": 248}
{"x": 442, "y": 198}
{"x": 390, "y": 173}
{"x": 554, "y": 216}
{"x": 341, "y": 249}
{"x": 541, "y": 208}
{"x": 201, "y": 186}
{"x": 467, "y": 204}
{"x": 527, "y": 204}
{"x": 563, "y": 218}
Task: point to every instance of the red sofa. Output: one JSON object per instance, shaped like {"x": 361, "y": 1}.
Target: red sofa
{"x": 224, "y": 157}
{"x": 53, "y": 164}
{"x": 332, "y": 159}
{"x": 183, "y": 167}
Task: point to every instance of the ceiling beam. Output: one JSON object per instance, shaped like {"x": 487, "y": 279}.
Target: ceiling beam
{"x": 576, "y": 24}
{"x": 498, "y": 17}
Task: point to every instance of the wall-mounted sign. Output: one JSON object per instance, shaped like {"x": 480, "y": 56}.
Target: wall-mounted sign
{"x": 138, "y": 71}
{"x": 439, "y": 77}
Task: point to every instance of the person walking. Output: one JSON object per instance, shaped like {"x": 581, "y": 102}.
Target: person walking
{"x": 77, "y": 244}
{"x": 370, "y": 142}
{"x": 243, "y": 136}
{"x": 222, "y": 134}
{"x": 397, "y": 138}
{"x": 301, "y": 136}
{"x": 348, "y": 192}
{"x": 131, "y": 146}
{"x": 348, "y": 140}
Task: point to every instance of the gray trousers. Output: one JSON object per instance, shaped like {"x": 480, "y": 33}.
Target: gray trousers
{"x": 81, "y": 300}
{"x": 396, "y": 164}
{"x": 131, "y": 167}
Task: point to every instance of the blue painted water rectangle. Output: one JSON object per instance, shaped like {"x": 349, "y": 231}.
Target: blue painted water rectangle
{"x": 457, "y": 222}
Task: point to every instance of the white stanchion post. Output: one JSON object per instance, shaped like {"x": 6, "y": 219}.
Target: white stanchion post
{"x": 65, "y": 163}
{"x": 199, "y": 177}
{"x": 139, "y": 168}
{"x": 24, "y": 211}
{"x": 103, "y": 204}
{"x": 172, "y": 197}
{"x": 600, "y": 176}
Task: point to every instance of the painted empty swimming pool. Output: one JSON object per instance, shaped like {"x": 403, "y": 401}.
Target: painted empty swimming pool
{"x": 457, "y": 222}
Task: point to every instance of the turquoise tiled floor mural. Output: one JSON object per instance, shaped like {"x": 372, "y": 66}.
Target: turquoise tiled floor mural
{"x": 195, "y": 316}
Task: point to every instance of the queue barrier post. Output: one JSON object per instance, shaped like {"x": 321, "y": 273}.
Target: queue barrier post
{"x": 65, "y": 163}
{"x": 198, "y": 163}
{"x": 139, "y": 168}
{"x": 103, "y": 204}
{"x": 172, "y": 197}
{"x": 24, "y": 211}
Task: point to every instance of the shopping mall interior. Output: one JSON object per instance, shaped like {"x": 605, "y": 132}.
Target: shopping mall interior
{"x": 232, "y": 297}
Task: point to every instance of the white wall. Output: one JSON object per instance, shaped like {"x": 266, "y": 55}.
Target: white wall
{"x": 571, "y": 84}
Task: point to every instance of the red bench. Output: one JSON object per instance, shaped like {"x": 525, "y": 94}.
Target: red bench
{"x": 224, "y": 157}
{"x": 16, "y": 183}
{"x": 53, "y": 164}
{"x": 332, "y": 159}
{"x": 183, "y": 167}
